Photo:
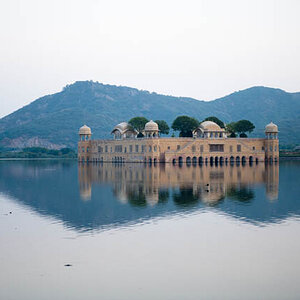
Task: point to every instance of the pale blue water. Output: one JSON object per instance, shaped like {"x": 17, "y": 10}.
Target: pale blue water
{"x": 149, "y": 232}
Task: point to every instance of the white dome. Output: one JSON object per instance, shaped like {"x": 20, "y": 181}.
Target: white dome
{"x": 122, "y": 126}
{"x": 85, "y": 130}
{"x": 210, "y": 126}
{"x": 151, "y": 126}
{"x": 271, "y": 127}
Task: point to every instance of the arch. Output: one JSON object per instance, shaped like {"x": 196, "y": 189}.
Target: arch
{"x": 243, "y": 159}
{"x": 194, "y": 160}
{"x": 188, "y": 160}
{"x": 271, "y": 159}
{"x": 226, "y": 160}
{"x": 180, "y": 159}
{"x": 216, "y": 160}
{"x": 150, "y": 160}
{"x": 237, "y": 159}
{"x": 200, "y": 160}
{"x": 206, "y": 160}
{"x": 155, "y": 160}
{"x": 256, "y": 160}
{"x": 275, "y": 159}
{"x": 174, "y": 161}
{"x": 211, "y": 160}
{"x": 221, "y": 160}
{"x": 250, "y": 159}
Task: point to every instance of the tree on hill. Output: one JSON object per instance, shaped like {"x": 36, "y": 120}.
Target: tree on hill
{"x": 243, "y": 126}
{"x": 185, "y": 125}
{"x": 216, "y": 120}
{"x": 138, "y": 123}
{"x": 163, "y": 126}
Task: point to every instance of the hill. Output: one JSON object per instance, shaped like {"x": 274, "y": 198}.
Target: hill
{"x": 53, "y": 121}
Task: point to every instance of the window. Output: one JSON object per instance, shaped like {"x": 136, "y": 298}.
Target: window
{"x": 82, "y": 149}
{"x": 130, "y": 148}
{"x": 125, "y": 150}
{"x": 136, "y": 148}
{"x": 211, "y": 135}
{"x": 262, "y": 148}
{"x": 275, "y": 148}
{"x": 216, "y": 148}
{"x": 230, "y": 149}
{"x": 216, "y": 135}
{"x": 150, "y": 149}
{"x": 100, "y": 149}
{"x": 221, "y": 134}
{"x": 168, "y": 147}
{"x": 155, "y": 148}
{"x": 201, "y": 148}
{"x": 193, "y": 148}
{"x": 271, "y": 148}
{"x": 178, "y": 147}
{"x": 143, "y": 148}
{"x": 110, "y": 149}
{"x": 117, "y": 135}
{"x": 238, "y": 148}
{"x": 87, "y": 149}
{"x": 106, "y": 149}
{"x": 253, "y": 148}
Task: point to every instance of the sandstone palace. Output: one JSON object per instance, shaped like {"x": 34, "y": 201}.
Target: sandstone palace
{"x": 209, "y": 144}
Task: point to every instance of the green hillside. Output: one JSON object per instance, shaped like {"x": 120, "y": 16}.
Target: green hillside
{"x": 53, "y": 121}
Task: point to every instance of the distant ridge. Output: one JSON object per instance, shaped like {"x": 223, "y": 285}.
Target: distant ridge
{"x": 52, "y": 121}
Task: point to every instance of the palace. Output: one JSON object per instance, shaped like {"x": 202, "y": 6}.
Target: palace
{"x": 209, "y": 144}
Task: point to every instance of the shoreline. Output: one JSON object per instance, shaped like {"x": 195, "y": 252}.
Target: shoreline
{"x": 75, "y": 159}
{"x": 40, "y": 158}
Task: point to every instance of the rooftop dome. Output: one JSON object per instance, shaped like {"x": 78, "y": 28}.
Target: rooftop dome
{"x": 122, "y": 126}
{"x": 151, "y": 126}
{"x": 85, "y": 130}
{"x": 210, "y": 126}
{"x": 271, "y": 127}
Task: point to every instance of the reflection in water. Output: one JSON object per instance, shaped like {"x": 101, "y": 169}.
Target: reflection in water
{"x": 142, "y": 184}
{"x": 87, "y": 197}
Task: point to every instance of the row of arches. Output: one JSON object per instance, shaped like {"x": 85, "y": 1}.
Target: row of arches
{"x": 214, "y": 160}
{"x": 219, "y": 160}
{"x": 192, "y": 160}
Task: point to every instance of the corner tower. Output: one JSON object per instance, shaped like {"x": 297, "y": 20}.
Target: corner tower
{"x": 272, "y": 143}
{"x": 84, "y": 144}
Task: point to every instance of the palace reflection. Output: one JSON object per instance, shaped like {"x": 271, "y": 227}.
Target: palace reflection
{"x": 140, "y": 184}
{"x": 98, "y": 196}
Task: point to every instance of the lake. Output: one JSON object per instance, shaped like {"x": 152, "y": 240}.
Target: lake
{"x": 135, "y": 231}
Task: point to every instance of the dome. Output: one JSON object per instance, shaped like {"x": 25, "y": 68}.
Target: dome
{"x": 210, "y": 126}
{"x": 122, "y": 126}
{"x": 271, "y": 127}
{"x": 151, "y": 126}
{"x": 85, "y": 130}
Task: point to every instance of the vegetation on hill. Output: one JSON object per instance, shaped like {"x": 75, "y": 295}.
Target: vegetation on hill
{"x": 53, "y": 121}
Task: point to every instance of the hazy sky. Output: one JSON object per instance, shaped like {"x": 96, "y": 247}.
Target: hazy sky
{"x": 201, "y": 49}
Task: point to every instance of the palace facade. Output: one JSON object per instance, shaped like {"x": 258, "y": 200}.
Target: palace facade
{"x": 209, "y": 144}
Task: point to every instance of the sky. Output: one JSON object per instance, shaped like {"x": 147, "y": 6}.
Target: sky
{"x": 200, "y": 49}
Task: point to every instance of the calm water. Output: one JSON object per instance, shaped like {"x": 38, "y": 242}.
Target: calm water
{"x": 149, "y": 232}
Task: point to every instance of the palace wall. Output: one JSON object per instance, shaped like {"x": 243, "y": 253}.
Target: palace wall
{"x": 174, "y": 150}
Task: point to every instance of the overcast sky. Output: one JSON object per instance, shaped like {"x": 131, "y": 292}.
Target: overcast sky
{"x": 200, "y": 49}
